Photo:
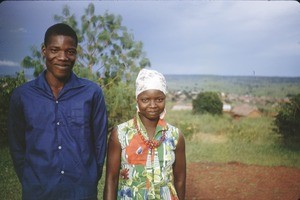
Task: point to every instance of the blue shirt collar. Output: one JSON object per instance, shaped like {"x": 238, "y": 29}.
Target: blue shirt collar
{"x": 73, "y": 82}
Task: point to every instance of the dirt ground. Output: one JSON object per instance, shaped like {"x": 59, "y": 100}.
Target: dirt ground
{"x": 235, "y": 181}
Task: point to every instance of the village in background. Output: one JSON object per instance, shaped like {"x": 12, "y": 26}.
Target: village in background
{"x": 242, "y": 96}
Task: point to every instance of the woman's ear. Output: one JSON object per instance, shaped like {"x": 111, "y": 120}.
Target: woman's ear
{"x": 137, "y": 109}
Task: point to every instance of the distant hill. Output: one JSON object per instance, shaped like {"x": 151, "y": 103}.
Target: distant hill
{"x": 241, "y": 85}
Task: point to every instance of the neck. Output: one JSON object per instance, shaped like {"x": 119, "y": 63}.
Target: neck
{"x": 55, "y": 84}
{"x": 149, "y": 122}
{"x": 150, "y": 125}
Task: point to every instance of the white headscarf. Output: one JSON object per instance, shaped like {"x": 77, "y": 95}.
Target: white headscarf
{"x": 148, "y": 80}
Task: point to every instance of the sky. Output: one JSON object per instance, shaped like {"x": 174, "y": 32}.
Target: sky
{"x": 242, "y": 38}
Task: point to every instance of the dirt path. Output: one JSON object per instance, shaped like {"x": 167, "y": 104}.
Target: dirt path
{"x": 235, "y": 181}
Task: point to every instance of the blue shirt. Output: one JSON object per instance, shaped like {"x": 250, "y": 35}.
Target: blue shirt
{"x": 58, "y": 146}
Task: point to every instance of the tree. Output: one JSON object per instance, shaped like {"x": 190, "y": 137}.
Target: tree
{"x": 7, "y": 85}
{"x": 107, "y": 54}
{"x": 288, "y": 119}
{"x": 207, "y": 102}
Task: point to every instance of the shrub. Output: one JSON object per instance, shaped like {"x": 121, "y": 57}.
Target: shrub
{"x": 207, "y": 102}
{"x": 288, "y": 119}
{"x": 7, "y": 85}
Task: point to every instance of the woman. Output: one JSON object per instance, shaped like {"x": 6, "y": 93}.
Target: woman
{"x": 146, "y": 155}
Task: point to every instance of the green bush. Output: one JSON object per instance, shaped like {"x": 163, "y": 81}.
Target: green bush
{"x": 207, "y": 102}
{"x": 120, "y": 103}
{"x": 7, "y": 85}
{"x": 288, "y": 119}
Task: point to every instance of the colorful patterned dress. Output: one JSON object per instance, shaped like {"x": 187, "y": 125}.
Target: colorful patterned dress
{"x": 146, "y": 173}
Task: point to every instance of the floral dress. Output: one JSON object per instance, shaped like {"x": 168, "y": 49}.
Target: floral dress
{"x": 146, "y": 173}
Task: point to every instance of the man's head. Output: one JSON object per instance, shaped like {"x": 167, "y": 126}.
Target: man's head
{"x": 60, "y": 29}
{"x": 59, "y": 51}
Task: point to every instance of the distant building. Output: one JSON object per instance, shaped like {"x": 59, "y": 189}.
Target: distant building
{"x": 245, "y": 110}
{"x": 182, "y": 107}
{"x": 226, "y": 108}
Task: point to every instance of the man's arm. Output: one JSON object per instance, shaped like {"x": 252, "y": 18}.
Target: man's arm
{"x": 16, "y": 134}
{"x": 99, "y": 129}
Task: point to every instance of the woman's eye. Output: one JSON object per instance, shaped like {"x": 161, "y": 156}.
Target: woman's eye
{"x": 145, "y": 100}
{"x": 160, "y": 100}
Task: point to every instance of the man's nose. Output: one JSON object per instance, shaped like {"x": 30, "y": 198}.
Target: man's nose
{"x": 63, "y": 55}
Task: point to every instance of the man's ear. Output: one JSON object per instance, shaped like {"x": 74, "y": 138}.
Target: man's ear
{"x": 43, "y": 49}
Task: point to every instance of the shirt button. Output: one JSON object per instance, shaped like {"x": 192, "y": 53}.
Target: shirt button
{"x": 56, "y": 101}
{"x": 62, "y": 172}
{"x": 57, "y": 123}
{"x": 59, "y": 147}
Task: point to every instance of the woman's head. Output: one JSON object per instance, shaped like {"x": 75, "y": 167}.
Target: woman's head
{"x": 151, "y": 93}
{"x": 150, "y": 79}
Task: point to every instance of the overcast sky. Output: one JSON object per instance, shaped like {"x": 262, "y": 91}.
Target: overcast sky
{"x": 179, "y": 37}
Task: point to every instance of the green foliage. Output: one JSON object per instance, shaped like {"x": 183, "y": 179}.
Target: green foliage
{"x": 207, "y": 102}
{"x": 220, "y": 138}
{"x": 7, "y": 85}
{"x": 187, "y": 129}
{"x": 288, "y": 119}
{"x": 10, "y": 187}
{"x": 106, "y": 48}
{"x": 36, "y": 61}
{"x": 253, "y": 130}
{"x": 121, "y": 103}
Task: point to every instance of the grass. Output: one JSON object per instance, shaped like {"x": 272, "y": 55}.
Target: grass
{"x": 209, "y": 138}
{"x": 224, "y": 139}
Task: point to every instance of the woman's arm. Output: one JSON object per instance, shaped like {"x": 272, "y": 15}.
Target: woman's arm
{"x": 179, "y": 168}
{"x": 113, "y": 162}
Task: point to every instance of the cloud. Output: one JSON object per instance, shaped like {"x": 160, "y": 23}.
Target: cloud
{"x": 9, "y": 63}
{"x": 19, "y": 30}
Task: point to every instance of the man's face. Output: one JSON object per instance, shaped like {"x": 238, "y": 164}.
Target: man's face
{"x": 60, "y": 54}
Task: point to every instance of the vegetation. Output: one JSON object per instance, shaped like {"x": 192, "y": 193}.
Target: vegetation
{"x": 7, "y": 85}
{"x": 288, "y": 119}
{"x": 220, "y": 138}
{"x": 207, "y": 102}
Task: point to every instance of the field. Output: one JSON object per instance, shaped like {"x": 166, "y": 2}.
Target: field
{"x": 227, "y": 158}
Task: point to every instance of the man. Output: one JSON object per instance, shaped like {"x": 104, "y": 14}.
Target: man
{"x": 58, "y": 126}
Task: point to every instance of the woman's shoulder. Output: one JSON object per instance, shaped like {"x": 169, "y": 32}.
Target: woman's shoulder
{"x": 173, "y": 131}
{"x": 123, "y": 125}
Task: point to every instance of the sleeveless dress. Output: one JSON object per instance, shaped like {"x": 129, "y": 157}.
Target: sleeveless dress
{"x": 146, "y": 173}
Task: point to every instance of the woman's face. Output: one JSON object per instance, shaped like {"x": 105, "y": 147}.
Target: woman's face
{"x": 151, "y": 103}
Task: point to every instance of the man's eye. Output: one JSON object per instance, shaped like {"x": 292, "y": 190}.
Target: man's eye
{"x": 53, "y": 50}
{"x": 71, "y": 52}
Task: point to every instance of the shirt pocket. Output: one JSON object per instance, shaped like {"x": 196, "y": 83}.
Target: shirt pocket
{"x": 76, "y": 123}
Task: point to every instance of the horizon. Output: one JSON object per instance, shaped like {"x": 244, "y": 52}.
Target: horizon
{"x": 29, "y": 72}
